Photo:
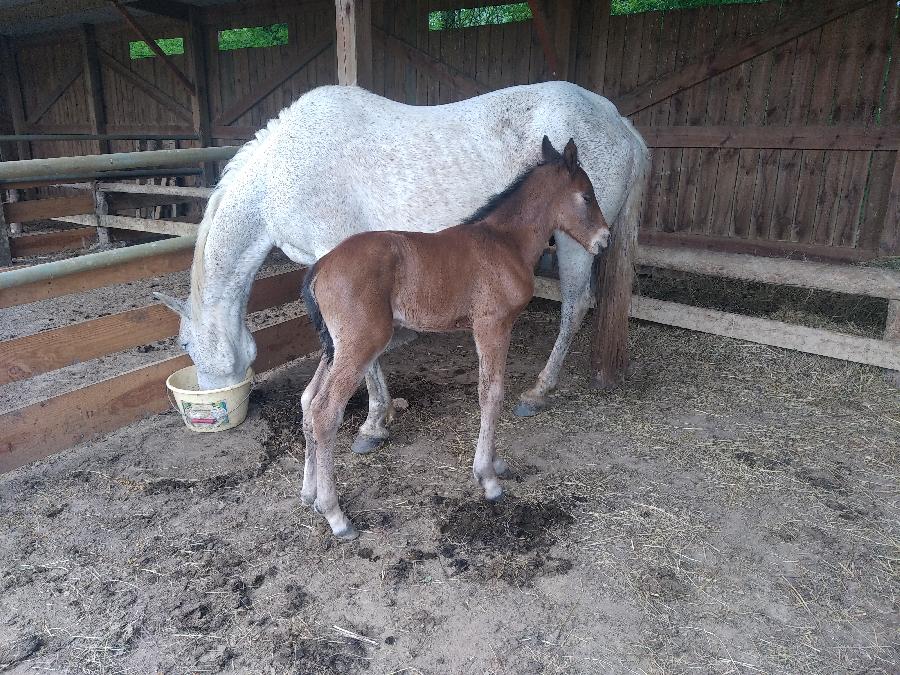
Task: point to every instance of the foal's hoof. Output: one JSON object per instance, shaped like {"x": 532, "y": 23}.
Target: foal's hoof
{"x": 349, "y": 533}
{"x": 529, "y": 408}
{"x": 363, "y": 445}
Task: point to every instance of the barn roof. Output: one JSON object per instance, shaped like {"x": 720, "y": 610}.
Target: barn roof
{"x": 25, "y": 17}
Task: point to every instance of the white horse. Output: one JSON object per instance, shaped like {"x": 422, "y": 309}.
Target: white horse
{"x": 342, "y": 160}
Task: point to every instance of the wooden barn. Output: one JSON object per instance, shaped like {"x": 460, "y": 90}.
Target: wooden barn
{"x": 774, "y": 129}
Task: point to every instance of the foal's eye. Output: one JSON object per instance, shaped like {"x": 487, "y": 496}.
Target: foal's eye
{"x": 587, "y": 198}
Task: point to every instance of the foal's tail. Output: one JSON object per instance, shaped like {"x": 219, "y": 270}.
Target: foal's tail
{"x": 312, "y": 308}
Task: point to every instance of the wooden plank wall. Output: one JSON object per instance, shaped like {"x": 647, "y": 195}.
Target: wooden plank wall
{"x": 836, "y": 75}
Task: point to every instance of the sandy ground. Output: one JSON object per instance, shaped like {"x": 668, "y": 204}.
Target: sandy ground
{"x": 733, "y": 508}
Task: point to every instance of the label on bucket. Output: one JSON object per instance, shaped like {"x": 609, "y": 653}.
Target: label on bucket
{"x": 214, "y": 414}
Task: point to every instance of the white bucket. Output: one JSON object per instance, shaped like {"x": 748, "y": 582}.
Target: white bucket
{"x": 211, "y": 409}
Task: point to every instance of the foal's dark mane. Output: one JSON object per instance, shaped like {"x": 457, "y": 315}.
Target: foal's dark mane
{"x": 498, "y": 199}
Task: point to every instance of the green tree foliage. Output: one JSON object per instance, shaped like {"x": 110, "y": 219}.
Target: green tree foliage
{"x": 490, "y": 16}
{"x": 259, "y": 36}
{"x": 635, "y": 6}
{"x": 141, "y": 50}
{"x": 478, "y": 16}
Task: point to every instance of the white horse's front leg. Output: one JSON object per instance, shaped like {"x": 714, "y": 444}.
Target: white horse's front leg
{"x": 374, "y": 432}
{"x": 575, "y": 265}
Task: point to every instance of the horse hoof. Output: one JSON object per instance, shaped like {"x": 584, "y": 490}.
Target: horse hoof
{"x": 363, "y": 445}
{"x": 493, "y": 492}
{"x": 349, "y": 533}
{"x": 526, "y": 409}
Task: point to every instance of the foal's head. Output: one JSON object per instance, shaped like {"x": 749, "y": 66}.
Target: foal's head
{"x": 573, "y": 204}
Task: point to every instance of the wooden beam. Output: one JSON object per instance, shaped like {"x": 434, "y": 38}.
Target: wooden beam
{"x": 892, "y": 336}
{"x": 539, "y": 21}
{"x": 151, "y": 189}
{"x": 41, "y": 109}
{"x": 751, "y": 329}
{"x": 270, "y": 84}
{"x": 757, "y": 247}
{"x": 889, "y": 242}
{"x": 810, "y": 17}
{"x": 873, "y": 282}
{"x": 155, "y": 48}
{"x": 175, "y": 228}
{"x": 93, "y": 80}
{"x": 14, "y": 102}
{"x": 602, "y": 11}
{"x": 168, "y": 8}
{"x": 43, "y": 209}
{"x": 436, "y": 69}
{"x": 53, "y": 242}
{"x": 91, "y": 278}
{"x": 78, "y": 416}
{"x": 200, "y": 107}
{"x": 353, "y": 42}
{"x": 154, "y": 92}
{"x": 25, "y": 357}
{"x": 5, "y": 249}
{"x": 792, "y": 138}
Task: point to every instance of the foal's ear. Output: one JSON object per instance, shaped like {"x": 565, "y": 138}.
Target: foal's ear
{"x": 550, "y": 153}
{"x": 570, "y": 155}
{"x": 176, "y": 305}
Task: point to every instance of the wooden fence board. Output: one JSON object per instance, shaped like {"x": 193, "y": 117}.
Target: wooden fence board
{"x": 53, "y": 242}
{"x": 43, "y": 209}
{"x": 27, "y": 356}
{"x": 78, "y": 416}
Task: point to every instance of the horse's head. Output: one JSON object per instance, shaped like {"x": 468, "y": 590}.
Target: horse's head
{"x": 574, "y": 207}
{"x": 220, "y": 346}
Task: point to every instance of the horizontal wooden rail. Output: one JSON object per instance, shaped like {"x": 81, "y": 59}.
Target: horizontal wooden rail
{"x": 37, "y": 138}
{"x": 792, "y": 138}
{"x": 52, "y": 242}
{"x": 57, "y": 423}
{"x": 870, "y": 281}
{"x": 30, "y": 355}
{"x": 53, "y": 279}
{"x": 60, "y": 166}
{"x": 44, "y": 209}
{"x": 761, "y": 331}
{"x": 177, "y": 228}
{"x": 759, "y": 247}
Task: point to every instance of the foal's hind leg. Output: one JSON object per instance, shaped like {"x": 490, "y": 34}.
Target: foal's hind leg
{"x": 374, "y": 432}
{"x": 308, "y": 492}
{"x": 575, "y": 287}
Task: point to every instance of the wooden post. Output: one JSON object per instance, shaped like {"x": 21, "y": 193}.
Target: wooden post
{"x": 597, "y": 67}
{"x": 563, "y": 27}
{"x": 14, "y": 94}
{"x": 892, "y": 335}
{"x": 548, "y": 46}
{"x": 5, "y": 251}
{"x": 890, "y": 232}
{"x": 199, "y": 46}
{"x": 101, "y": 210}
{"x": 354, "y": 42}
{"x": 94, "y": 82}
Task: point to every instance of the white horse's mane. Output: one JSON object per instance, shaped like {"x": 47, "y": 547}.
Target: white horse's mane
{"x": 229, "y": 173}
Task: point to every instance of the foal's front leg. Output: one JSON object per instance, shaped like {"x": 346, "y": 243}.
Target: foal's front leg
{"x": 492, "y": 343}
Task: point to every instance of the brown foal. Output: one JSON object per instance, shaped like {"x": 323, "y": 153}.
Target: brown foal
{"x": 476, "y": 277}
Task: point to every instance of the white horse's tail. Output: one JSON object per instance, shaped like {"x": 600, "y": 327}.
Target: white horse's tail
{"x": 617, "y": 274}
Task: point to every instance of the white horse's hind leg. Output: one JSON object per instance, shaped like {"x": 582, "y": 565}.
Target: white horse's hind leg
{"x": 374, "y": 432}
{"x": 575, "y": 266}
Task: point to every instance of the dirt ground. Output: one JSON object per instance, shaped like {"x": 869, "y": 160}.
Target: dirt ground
{"x": 733, "y": 508}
